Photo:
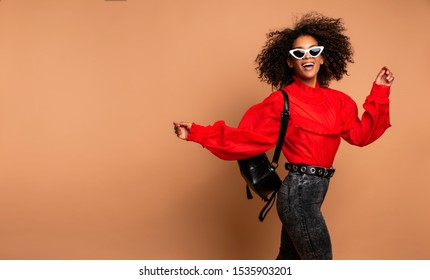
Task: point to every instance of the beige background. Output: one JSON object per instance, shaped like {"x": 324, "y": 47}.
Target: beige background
{"x": 90, "y": 167}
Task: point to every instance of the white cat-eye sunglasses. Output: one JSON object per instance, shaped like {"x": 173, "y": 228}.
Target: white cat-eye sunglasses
{"x": 301, "y": 53}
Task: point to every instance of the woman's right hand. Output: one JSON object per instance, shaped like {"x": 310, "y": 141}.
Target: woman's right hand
{"x": 182, "y": 129}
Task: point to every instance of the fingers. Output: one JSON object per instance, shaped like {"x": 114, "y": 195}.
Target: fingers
{"x": 177, "y": 128}
{"x": 389, "y": 77}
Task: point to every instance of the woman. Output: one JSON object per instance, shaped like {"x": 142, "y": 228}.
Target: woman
{"x": 303, "y": 61}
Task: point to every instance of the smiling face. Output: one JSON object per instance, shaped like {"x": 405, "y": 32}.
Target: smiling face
{"x": 306, "y": 69}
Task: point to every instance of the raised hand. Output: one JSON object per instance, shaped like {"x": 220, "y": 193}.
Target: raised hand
{"x": 385, "y": 77}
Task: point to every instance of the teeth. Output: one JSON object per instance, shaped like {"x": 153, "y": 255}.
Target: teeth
{"x": 308, "y": 64}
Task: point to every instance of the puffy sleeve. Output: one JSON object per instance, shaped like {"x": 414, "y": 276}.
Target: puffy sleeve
{"x": 374, "y": 121}
{"x": 256, "y": 133}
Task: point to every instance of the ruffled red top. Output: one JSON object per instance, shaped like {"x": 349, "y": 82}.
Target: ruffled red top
{"x": 319, "y": 118}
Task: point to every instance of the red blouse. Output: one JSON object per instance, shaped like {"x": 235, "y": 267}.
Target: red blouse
{"x": 319, "y": 118}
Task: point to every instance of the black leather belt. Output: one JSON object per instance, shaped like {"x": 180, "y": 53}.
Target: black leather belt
{"x": 310, "y": 170}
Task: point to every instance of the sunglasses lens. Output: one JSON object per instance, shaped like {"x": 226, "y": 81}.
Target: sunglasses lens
{"x": 315, "y": 51}
{"x": 299, "y": 53}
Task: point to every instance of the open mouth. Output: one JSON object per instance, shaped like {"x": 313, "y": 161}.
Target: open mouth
{"x": 308, "y": 66}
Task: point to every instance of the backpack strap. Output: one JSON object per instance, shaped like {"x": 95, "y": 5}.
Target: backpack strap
{"x": 285, "y": 116}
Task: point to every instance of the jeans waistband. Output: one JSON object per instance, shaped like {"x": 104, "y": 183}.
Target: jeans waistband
{"x": 310, "y": 170}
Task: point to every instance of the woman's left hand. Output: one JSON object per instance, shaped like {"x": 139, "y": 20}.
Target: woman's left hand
{"x": 385, "y": 77}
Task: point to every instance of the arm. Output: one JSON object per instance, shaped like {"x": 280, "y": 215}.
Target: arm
{"x": 257, "y": 131}
{"x": 376, "y": 118}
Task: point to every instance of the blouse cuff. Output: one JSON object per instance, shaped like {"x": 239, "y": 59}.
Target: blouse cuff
{"x": 379, "y": 94}
{"x": 196, "y": 133}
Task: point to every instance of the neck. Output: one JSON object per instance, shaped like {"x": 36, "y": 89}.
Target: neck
{"x": 309, "y": 82}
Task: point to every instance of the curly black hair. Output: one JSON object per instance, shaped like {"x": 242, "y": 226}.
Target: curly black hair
{"x": 272, "y": 61}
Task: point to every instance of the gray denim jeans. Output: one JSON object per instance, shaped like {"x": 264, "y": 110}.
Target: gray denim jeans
{"x": 304, "y": 232}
